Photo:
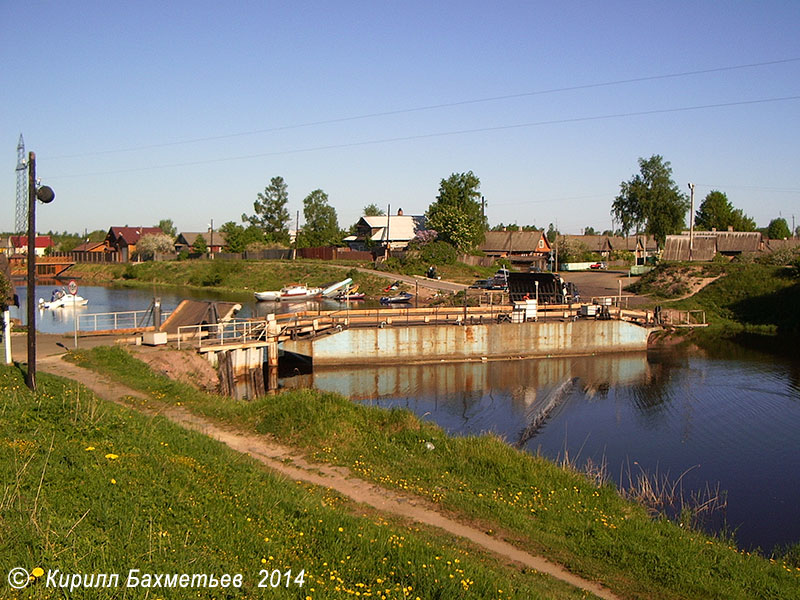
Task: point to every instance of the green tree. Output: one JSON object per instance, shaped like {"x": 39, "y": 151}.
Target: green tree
{"x": 456, "y": 214}
{"x": 238, "y": 238}
{"x": 552, "y": 234}
{"x": 167, "y": 226}
{"x": 778, "y": 229}
{"x": 716, "y": 212}
{"x": 372, "y": 210}
{"x": 589, "y": 231}
{"x": 200, "y": 245}
{"x": 322, "y": 226}
{"x": 651, "y": 201}
{"x": 271, "y": 215}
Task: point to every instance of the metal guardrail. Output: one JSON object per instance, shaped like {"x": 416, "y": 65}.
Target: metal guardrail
{"x": 116, "y": 320}
{"x": 235, "y": 331}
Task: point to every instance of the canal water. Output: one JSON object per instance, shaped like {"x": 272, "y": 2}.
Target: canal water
{"x": 729, "y": 417}
{"x": 120, "y": 299}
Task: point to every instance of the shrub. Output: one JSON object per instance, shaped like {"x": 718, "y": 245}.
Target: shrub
{"x": 438, "y": 253}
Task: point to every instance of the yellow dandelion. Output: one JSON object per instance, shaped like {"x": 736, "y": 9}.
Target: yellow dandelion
{"x": 111, "y": 456}
{"x": 37, "y": 572}
{"x": 89, "y": 448}
{"x": 114, "y": 481}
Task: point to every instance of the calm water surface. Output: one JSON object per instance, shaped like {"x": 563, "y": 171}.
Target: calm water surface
{"x": 120, "y": 299}
{"x": 731, "y": 417}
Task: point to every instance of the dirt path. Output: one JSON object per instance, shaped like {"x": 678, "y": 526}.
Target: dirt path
{"x": 288, "y": 462}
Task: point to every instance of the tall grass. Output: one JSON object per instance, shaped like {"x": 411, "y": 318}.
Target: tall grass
{"x": 89, "y": 487}
{"x": 526, "y": 499}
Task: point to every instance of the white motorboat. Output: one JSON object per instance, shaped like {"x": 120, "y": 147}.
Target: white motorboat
{"x": 299, "y": 292}
{"x": 272, "y": 296}
{"x": 61, "y": 299}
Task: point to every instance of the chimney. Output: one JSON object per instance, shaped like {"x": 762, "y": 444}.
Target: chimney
{"x": 713, "y": 229}
{"x": 399, "y": 212}
{"x": 730, "y": 227}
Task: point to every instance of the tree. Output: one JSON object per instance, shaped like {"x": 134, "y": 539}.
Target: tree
{"x": 651, "y": 201}
{"x": 154, "y": 243}
{"x": 372, "y": 210}
{"x": 778, "y": 229}
{"x": 552, "y": 234}
{"x": 589, "y": 231}
{"x": 716, "y": 212}
{"x": 200, "y": 246}
{"x": 456, "y": 214}
{"x": 238, "y": 238}
{"x": 322, "y": 226}
{"x": 271, "y": 214}
{"x": 166, "y": 226}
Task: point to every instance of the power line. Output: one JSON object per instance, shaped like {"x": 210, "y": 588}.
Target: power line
{"x": 433, "y": 107}
{"x": 435, "y": 135}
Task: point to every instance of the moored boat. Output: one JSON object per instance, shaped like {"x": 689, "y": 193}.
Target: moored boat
{"x": 62, "y": 298}
{"x": 299, "y": 292}
{"x": 401, "y": 298}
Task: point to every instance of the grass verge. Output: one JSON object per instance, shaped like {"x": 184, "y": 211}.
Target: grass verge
{"x": 89, "y": 487}
{"x": 528, "y": 500}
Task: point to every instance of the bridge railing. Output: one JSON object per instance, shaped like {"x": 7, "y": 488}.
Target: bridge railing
{"x": 129, "y": 319}
{"x": 234, "y": 331}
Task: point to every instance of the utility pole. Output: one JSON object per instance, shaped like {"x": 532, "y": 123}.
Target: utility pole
{"x": 296, "y": 233}
{"x": 691, "y": 222}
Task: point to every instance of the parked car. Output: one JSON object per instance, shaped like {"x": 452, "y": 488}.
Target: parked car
{"x": 599, "y": 265}
{"x": 481, "y": 284}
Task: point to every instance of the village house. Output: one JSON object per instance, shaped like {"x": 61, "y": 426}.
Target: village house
{"x": 707, "y": 244}
{"x": 215, "y": 241}
{"x": 393, "y": 232}
{"x": 640, "y": 245}
{"x": 124, "y": 240}
{"x": 18, "y": 244}
{"x": 521, "y": 247}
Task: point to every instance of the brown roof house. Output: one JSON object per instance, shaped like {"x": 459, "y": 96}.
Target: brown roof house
{"x": 215, "y": 240}
{"x": 529, "y": 247}
{"x": 706, "y": 244}
{"x": 124, "y": 239}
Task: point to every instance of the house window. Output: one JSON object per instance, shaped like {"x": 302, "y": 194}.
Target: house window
{"x": 541, "y": 243}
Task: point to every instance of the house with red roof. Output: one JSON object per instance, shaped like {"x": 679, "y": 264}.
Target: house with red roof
{"x": 124, "y": 239}
{"x": 19, "y": 244}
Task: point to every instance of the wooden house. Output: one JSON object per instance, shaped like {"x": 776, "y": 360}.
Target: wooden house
{"x": 393, "y": 232}
{"x": 215, "y": 241}
{"x": 530, "y": 247}
{"x": 124, "y": 240}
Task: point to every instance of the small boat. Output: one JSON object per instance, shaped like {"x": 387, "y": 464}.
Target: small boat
{"x": 299, "y": 292}
{"x": 402, "y": 297}
{"x": 62, "y": 298}
{"x": 333, "y": 290}
{"x": 350, "y": 293}
{"x": 272, "y": 296}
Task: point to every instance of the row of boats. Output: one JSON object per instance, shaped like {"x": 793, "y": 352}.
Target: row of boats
{"x": 343, "y": 291}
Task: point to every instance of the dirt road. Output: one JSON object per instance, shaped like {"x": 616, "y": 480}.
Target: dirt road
{"x": 294, "y": 465}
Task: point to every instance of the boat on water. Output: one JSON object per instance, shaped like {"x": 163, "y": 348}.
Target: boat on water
{"x": 401, "y": 298}
{"x": 349, "y": 293}
{"x": 299, "y": 292}
{"x": 272, "y": 296}
{"x": 61, "y": 299}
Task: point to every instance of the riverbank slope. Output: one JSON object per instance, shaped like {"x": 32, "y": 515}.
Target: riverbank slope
{"x": 527, "y": 501}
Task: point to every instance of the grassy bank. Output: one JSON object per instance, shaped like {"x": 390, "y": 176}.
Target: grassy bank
{"x": 244, "y": 276}
{"x": 527, "y": 500}
{"x": 89, "y": 487}
{"x": 746, "y": 297}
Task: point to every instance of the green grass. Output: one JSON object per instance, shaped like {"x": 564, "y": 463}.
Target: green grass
{"x": 528, "y": 500}
{"x": 244, "y": 276}
{"x": 89, "y": 487}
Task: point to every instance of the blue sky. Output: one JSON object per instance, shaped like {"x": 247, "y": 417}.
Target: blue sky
{"x": 148, "y": 110}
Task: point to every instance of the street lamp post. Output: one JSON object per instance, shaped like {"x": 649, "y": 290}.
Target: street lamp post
{"x": 44, "y": 194}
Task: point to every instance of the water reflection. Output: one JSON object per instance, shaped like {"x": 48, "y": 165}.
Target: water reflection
{"x": 727, "y": 420}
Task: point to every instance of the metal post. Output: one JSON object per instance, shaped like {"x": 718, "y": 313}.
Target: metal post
{"x": 7, "y": 334}
{"x": 691, "y": 222}
{"x": 30, "y": 377}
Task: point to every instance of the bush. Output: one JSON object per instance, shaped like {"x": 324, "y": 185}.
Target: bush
{"x": 438, "y": 253}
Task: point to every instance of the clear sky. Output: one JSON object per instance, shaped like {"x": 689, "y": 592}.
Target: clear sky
{"x": 140, "y": 111}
